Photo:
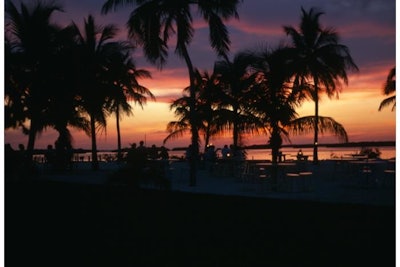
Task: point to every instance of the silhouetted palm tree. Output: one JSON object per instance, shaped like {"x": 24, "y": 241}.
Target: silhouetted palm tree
{"x": 14, "y": 112}
{"x": 276, "y": 99}
{"x": 94, "y": 50}
{"x": 64, "y": 104}
{"x": 31, "y": 38}
{"x": 181, "y": 126}
{"x": 208, "y": 109}
{"x": 388, "y": 89}
{"x": 153, "y": 22}
{"x": 237, "y": 80}
{"x": 123, "y": 78}
{"x": 320, "y": 60}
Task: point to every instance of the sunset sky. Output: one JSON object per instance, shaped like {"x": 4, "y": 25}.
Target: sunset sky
{"x": 367, "y": 28}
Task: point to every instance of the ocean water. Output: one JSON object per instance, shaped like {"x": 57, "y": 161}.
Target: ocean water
{"x": 323, "y": 152}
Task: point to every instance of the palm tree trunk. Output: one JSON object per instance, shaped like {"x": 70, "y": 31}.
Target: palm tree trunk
{"x": 95, "y": 162}
{"x": 119, "y": 155}
{"x": 275, "y": 143}
{"x": 235, "y": 128}
{"x": 315, "y": 145}
{"x": 31, "y": 142}
{"x": 192, "y": 119}
{"x": 207, "y": 138}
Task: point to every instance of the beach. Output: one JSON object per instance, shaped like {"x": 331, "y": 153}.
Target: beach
{"x": 77, "y": 219}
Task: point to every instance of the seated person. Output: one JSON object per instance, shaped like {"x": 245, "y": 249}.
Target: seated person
{"x": 226, "y": 152}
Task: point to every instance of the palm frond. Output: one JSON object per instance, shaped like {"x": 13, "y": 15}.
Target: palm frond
{"x": 305, "y": 125}
{"x": 388, "y": 101}
{"x": 113, "y": 5}
{"x": 390, "y": 84}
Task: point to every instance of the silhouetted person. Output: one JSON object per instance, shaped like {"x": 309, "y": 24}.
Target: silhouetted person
{"x": 137, "y": 158}
{"x": 164, "y": 153}
{"x": 49, "y": 156}
{"x": 131, "y": 156}
{"x": 153, "y": 152}
{"x": 142, "y": 152}
{"x": 210, "y": 154}
{"x": 63, "y": 154}
{"x": 226, "y": 152}
{"x": 239, "y": 154}
{"x": 300, "y": 155}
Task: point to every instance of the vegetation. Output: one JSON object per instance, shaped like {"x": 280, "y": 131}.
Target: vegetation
{"x": 32, "y": 43}
{"x": 151, "y": 25}
{"x": 321, "y": 61}
{"x": 257, "y": 92}
{"x": 208, "y": 109}
{"x": 389, "y": 88}
{"x": 59, "y": 77}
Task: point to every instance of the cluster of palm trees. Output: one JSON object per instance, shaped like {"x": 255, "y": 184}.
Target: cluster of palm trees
{"x": 66, "y": 76}
{"x": 56, "y": 77}
{"x": 259, "y": 94}
{"x": 258, "y": 91}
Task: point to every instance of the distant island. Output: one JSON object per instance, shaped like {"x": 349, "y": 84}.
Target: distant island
{"x": 349, "y": 144}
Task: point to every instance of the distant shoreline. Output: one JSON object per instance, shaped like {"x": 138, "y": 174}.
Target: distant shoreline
{"x": 350, "y": 144}
{"x": 259, "y": 146}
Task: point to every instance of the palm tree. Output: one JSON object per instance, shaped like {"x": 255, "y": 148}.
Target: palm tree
{"x": 320, "y": 59}
{"x": 94, "y": 51}
{"x": 210, "y": 107}
{"x": 64, "y": 104}
{"x": 209, "y": 112}
{"x": 181, "y": 126}
{"x": 14, "y": 112}
{"x": 237, "y": 81}
{"x": 275, "y": 102}
{"x": 31, "y": 38}
{"x": 388, "y": 89}
{"x": 153, "y": 22}
{"x": 277, "y": 97}
{"x": 123, "y": 78}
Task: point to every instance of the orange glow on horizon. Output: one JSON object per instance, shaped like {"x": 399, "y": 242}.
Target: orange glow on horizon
{"x": 368, "y": 30}
{"x": 356, "y": 109}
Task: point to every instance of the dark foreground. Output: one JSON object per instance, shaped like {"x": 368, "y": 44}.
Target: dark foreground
{"x": 55, "y": 224}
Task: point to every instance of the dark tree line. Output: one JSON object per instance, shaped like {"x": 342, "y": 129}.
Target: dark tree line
{"x": 76, "y": 77}
{"x": 63, "y": 77}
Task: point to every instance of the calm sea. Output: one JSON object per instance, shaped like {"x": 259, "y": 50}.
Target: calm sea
{"x": 387, "y": 152}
